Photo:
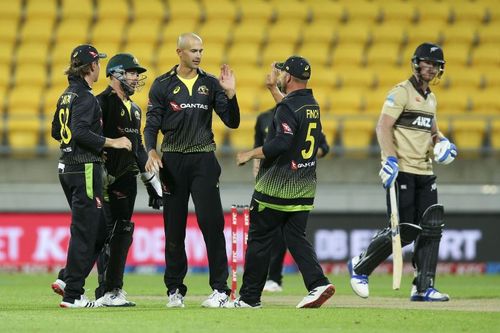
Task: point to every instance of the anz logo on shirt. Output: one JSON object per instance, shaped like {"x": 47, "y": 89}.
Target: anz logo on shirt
{"x": 421, "y": 121}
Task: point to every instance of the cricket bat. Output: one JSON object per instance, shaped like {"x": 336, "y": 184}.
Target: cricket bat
{"x": 397, "y": 255}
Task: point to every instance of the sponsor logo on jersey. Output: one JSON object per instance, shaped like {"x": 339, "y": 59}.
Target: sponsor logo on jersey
{"x": 389, "y": 101}
{"x": 203, "y": 90}
{"x": 176, "y": 90}
{"x": 194, "y": 106}
{"x": 98, "y": 202}
{"x": 306, "y": 165}
{"x": 137, "y": 115}
{"x": 286, "y": 128}
{"x": 422, "y": 121}
{"x": 174, "y": 106}
{"x": 293, "y": 165}
{"x": 122, "y": 113}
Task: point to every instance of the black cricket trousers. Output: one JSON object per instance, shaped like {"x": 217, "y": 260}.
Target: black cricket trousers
{"x": 195, "y": 174}
{"x": 263, "y": 225}
{"x": 82, "y": 185}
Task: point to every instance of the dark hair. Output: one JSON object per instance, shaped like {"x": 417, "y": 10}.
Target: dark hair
{"x": 80, "y": 71}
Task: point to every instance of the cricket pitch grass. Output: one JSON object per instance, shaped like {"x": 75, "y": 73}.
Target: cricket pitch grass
{"x": 27, "y": 304}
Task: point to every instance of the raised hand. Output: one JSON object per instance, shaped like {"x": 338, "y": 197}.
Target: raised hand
{"x": 227, "y": 80}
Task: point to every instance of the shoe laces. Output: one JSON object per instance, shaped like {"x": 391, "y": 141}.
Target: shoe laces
{"x": 362, "y": 279}
{"x": 175, "y": 295}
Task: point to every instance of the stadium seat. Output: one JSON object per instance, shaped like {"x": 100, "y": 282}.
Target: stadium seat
{"x": 30, "y": 75}
{"x": 213, "y": 54}
{"x": 322, "y": 96}
{"x": 243, "y": 53}
{"x": 357, "y": 134}
{"x": 41, "y": 9}
{"x": 5, "y": 80}
{"x": 491, "y": 77}
{"x": 330, "y": 130}
{"x": 347, "y": 55}
{"x": 462, "y": 77}
{"x": 49, "y": 99}
{"x": 345, "y": 102}
{"x": 486, "y": 102}
{"x": 32, "y": 53}
{"x": 457, "y": 53}
{"x": 318, "y": 32}
{"x": 468, "y": 134}
{"x": 436, "y": 11}
{"x": 23, "y": 133}
{"x": 428, "y": 31}
{"x": 170, "y": 32}
{"x": 398, "y": 12}
{"x": 388, "y": 33}
{"x": 321, "y": 77}
{"x": 11, "y": 9}
{"x": 326, "y": 11}
{"x": 248, "y": 100}
{"x": 147, "y": 30}
{"x": 278, "y": 51}
{"x": 77, "y": 9}
{"x": 248, "y": 32}
{"x": 37, "y": 30}
{"x": 317, "y": 53}
{"x": 107, "y": 35}
{"x": 495, "y": 134}
{"x": 257, "y": 12}
{"x": 382, "y": 54}
{"x": 220, "y": 132}
{"x": 444, "y": 124}
{"x": 363, "y": 11}
{"x": 459, "y": 33}
{"x": 10, "y": 28}
{"x": 6, "y": 53}
{"x": 243, "y": 137}
{"x": 250, "y": 76}
{"x": 57, "y": 78}
{"x": 184, "y": 10}
{"x": 73, "y": 31}
{"x": 295, "y": 14}
{"x": 353, "y": 33}
{"x": 373, "y": 100}
{"x": 489, "y": 33}
{"x": 117, "y": 9}
{"x": 216, "y": 32}
{"x": 152, "y": 9}
{"x": 473, "y": 12}
{"x": 386, "y": 77}
{"x": 355, "y": 77}
{"x": 486, "y": 55}
{"x": 219, "y": 10}
{"x": 284, "y": 32}
{"x": 24, "y": 101}
{"x": 453, "y": 101}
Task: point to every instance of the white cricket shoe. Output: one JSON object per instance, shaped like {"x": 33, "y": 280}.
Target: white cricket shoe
{"x": 272, "y": 287}
{"x": 58, "y": 287}
{"x": 238, "y": 303}
{"x": 359, "y": 282}
{"x": 216, "y": 300}
{"x": 115, "y": 298}
{"x": 429, "y": 295}
{"x": 317, "y": 297}
{"x": 175, "y": 300}
{"x": 83, "y": 302}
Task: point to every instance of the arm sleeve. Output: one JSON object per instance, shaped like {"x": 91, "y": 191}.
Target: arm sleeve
{"x": 153, "y": 117}
{"x": 141, "y": 156}
{"x": 259, "y": 136}
{"x": 56, "y": 126}
{"x": 323, "y": 144}
{"x": 82, "y": 114}
{"x": 286, "y": 127}
{"x": 395, "y": 102}
{"x": 227, "y": 109}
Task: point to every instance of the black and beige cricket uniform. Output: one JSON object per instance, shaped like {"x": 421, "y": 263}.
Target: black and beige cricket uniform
{"x": 120, "y": 118}
{"x": 284, "y": 194}
{"x": 182, "y": 109}
{"x": 77, "y": 124}
{"x": 278, "y": 251}
{"x": 415, "y": 111}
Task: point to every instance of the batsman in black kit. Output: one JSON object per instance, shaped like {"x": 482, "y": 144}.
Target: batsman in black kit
{"x": 77, "y": 124}
{"x": 122, "y": 117}
{"x": 181, "y": 104}
{"x": 285, "y": 189}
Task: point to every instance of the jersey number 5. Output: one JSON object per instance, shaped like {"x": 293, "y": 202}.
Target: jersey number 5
{"x": 306, "y": 154}
{"x": 65, "y": 131}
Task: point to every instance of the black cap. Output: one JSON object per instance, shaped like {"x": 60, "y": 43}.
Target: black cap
{"x": 428, "y": 52}
{"x": 296, "y": 66}
{"x": 85, "y": 54}
{"x": 123, "y": 62}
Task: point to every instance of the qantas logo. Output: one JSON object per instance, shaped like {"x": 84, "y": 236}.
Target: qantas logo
{"x": 293, "y": 165}
{"x": 194, "y": 106}
{"x": 422, "y": 122}
{"x": 286, "y": 128}
{"x": 175, "y": 107}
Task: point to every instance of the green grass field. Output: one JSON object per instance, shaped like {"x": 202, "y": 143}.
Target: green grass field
{"x": 27, "y": 304}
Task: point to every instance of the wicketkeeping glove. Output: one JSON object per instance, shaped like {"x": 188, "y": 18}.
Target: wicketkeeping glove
{"x": 445, "y": 151}
{"x": 153, "y": 186}
{"x": 389, "y": 171}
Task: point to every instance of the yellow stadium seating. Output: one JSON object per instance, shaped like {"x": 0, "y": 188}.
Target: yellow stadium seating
{"x": 257, "y": 12}
{"x": 495, "y": 134}
{"x": 436, "y": 11}
{"x": 453, "y": 101}
{"x": 277, "y": 51}
{"x": 11, "y": 9}
{"x": 330, "y": 130}
{"x": 5, "y": 78}
{"x": 146, "y": 30}
{"x": 386, "y": 77}
{"x": 248, "y": 99}
{"x": 388, "y": 33}
{"x": 23, "y": 133}
{"x": 41, "y": 9}
{"x": 298, "y": 13}
{"x": 38, "y": 30}
{"x": 24, "y": 101}
{"x": 428, "y": 31}
{"x": 317, "y": 53}
{"x": 355, "y": 77}
{"x": 219, "y": 10}
{"x": 468, "y": 134}
{"x": 50, "y": 98}
{"x": 345, "y": 102}
{"x": 457, "y": 54}
{"x": 443, "y": 123}
{"x": 243, "y": 53}
{"x": 77, "y": 9}
{"x": 353, "y": 33}
{"x": 9, "y": 31}
{"x": 166, "y": 56}
{"x": 462, "y": 77}
{"x": 491, "y": 77}
{"x": 321, "y": 77}
{"x": 243, "y": 137}
{"x": 220, "y": 132}
{"x": 31, "y": 75}
{"x": 152, "y": 9}
{"x": 249, "y": 76}
{"x": 6, "y": 50}
{"x": 363, "y": 11}
{"x": 347, "y": 55}
{"x": 398, "y": 12}
{"x": 216, "y": 31}
{"x": 32, "y": 53}
{"x": 486, "y": 102}
{"x": 318, "y": 32}
{"x": 486, "y": 55}
{"x": 213, "y": 54}
{"x": 171, "y": 31}
{"x": 489, "y": 33}
{"x": 116, "y": 9}
{"x": 185, "y": 9}
{"x": 249, "y": 32}
{"x": 326, "y": 11}
{"x": 373, "y": 100}
{"x": 322, "y": 96}
{"x": 459, "y": 33}
{"x": 382, "y": 54}
{"x": 357, "y": 134}
{"x": 73, "y": 31}
{"x": 472, "y": 12}
{"x": 284, "y": 32}
{"x": 107, "y": 35}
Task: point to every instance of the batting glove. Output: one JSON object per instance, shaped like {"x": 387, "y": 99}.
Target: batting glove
{"x": 445, "y": 151}
{"x": 389, "y": 171}
{"x": 153, "y": 186}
